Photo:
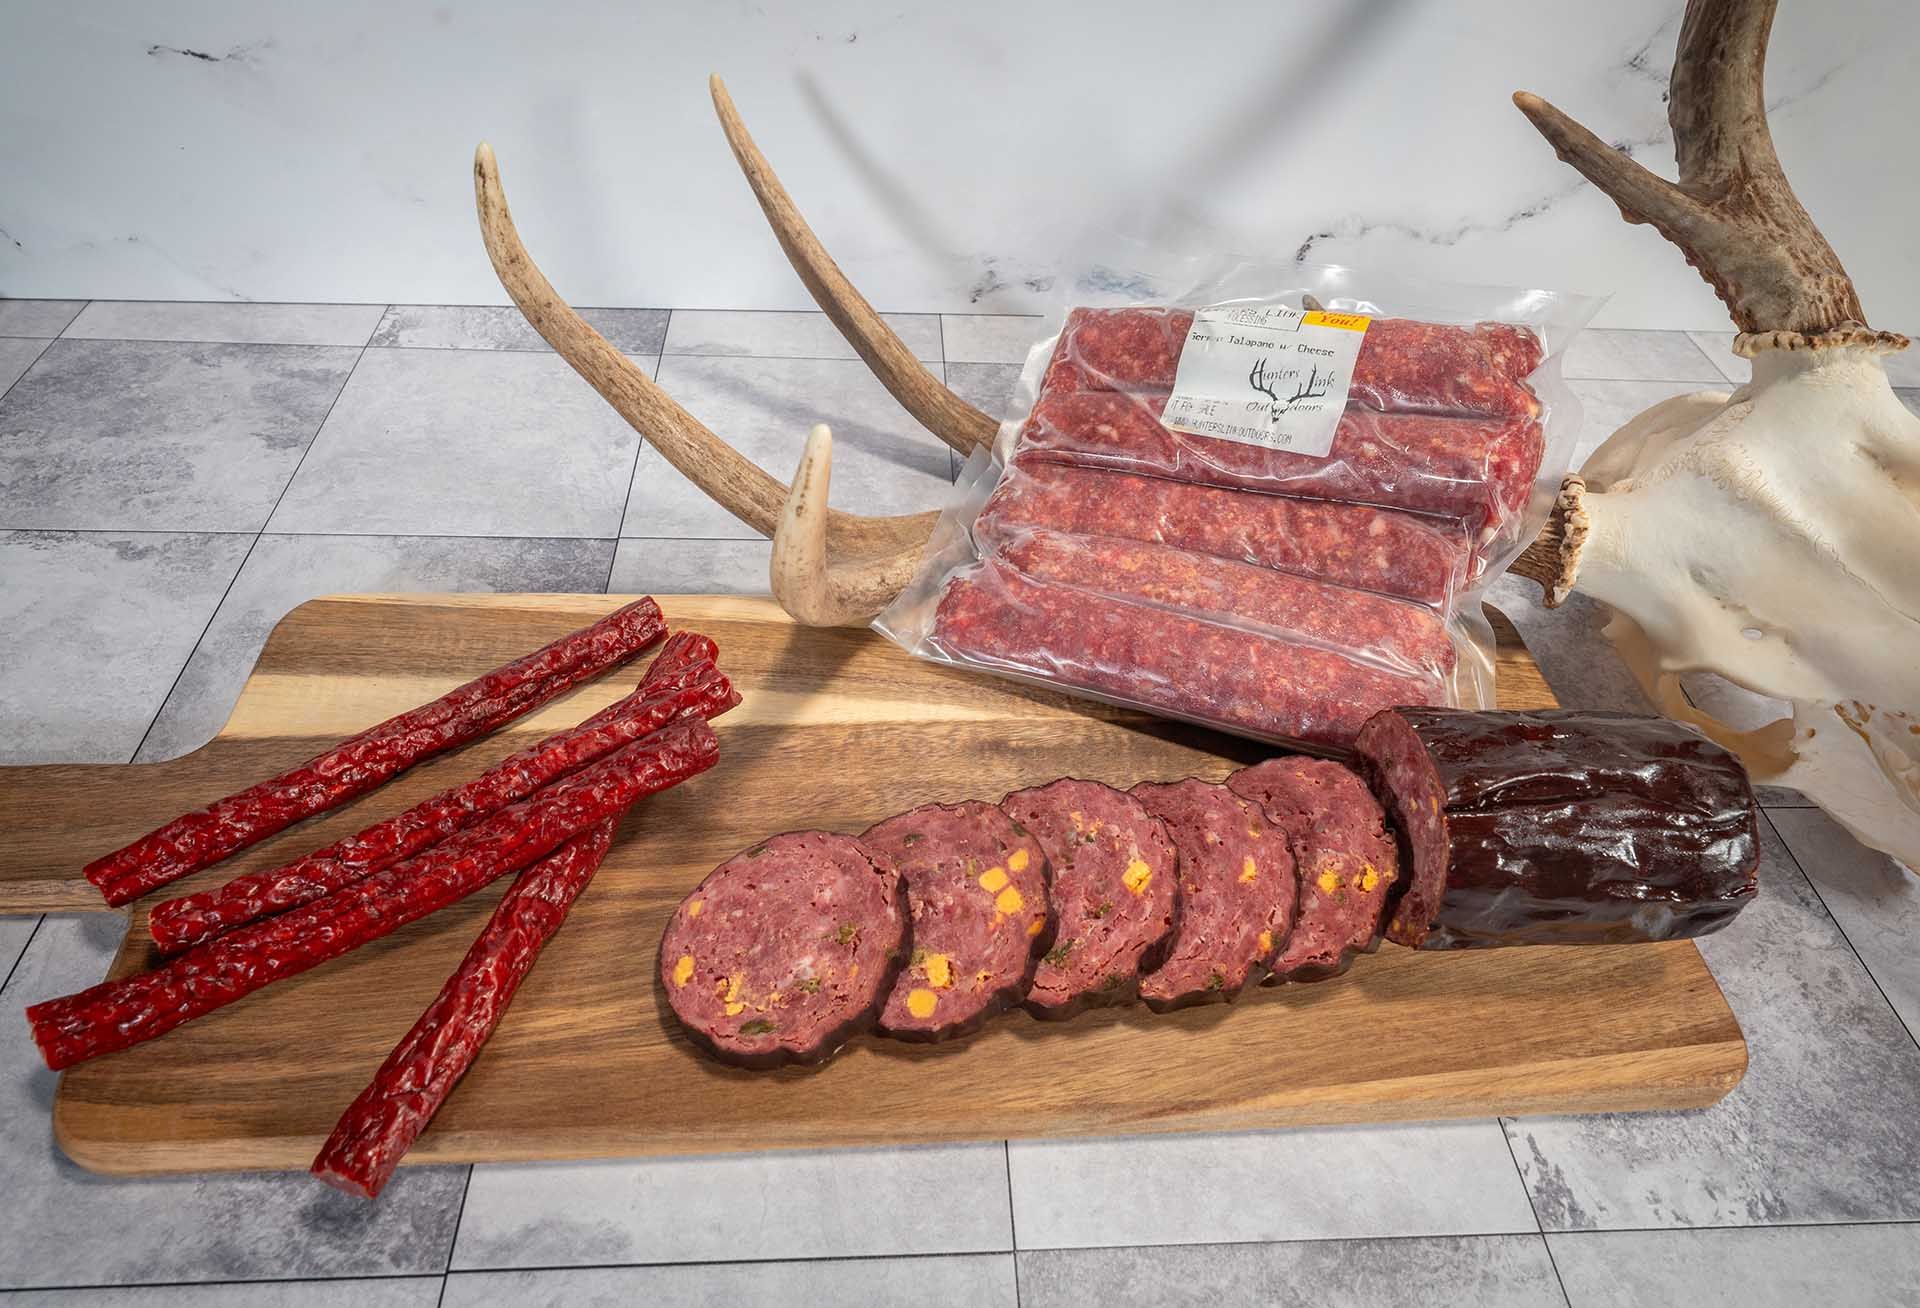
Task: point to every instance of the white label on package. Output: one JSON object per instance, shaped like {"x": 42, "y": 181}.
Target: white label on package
{"x": 1266, "y": 374}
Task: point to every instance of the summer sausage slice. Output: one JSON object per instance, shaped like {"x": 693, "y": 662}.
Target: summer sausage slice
{"x": 1344, "y": 856}
{"x": 1236, "y": 893}
{"x": 1571, "y": 826}
{"x": 786, "y": 949}
{"x": 1113, "y": 892}
{"x": 977, "y": 891}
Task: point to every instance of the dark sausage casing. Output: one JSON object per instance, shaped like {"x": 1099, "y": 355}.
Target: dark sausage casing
{"x": 1569, "y": 826}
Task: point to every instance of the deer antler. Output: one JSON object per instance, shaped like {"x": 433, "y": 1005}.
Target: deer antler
{"x": 936, "y": 408}
{"x": 813, "y": 589}
{"x": 1732, "y": 213}
{"x": 870, "y": 550}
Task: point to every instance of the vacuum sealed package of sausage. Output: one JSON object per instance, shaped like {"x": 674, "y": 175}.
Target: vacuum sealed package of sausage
{"x": 1262, "y": 498}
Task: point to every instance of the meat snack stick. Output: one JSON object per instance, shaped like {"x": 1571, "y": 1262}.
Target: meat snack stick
{"x": 117, "y": 1014}
{"x": 376, "y": 755}
{"x": 388, "y": 1116}
{"x": 674, "y": 687}
{"x": 1404, "y": 365}
{"x": 1356, "y": 545}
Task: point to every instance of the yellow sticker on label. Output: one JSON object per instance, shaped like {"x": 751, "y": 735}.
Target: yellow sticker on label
{"x": 1346, "y": 322}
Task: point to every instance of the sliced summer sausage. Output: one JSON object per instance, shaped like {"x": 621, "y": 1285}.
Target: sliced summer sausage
{"x": 977, "y": 890}
{"x": 1344, "y": 856}
{"x": 786, "y": 949}
{"x": 1236, "y": 893}
{"x": 1113, "y": 893}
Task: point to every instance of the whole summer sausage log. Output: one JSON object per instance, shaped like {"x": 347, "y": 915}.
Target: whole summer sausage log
{"x": 1390, "y": 633}
{"x": 977, "y": 895}
{"x": 993, "y": 617}
{"x": 1236, "y": 893}
{"x": 676, "y": 686}
{"x": 373, "y": 757}
{"x": 1405, "y": 365}
{"x": 1568, "y": 826}
{"x": 1356, "y": 545}
{"x": 384, "y": 1120}
{"x": 786, "y": 950}
{"x": 1343, "y": 855}
{"x": 1114, "y": 893}
{"x": 1478, "y": 471}
{"x": 118, "y": 1014}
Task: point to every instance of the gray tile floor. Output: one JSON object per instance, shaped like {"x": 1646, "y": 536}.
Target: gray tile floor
{"x": 175, "y": 477}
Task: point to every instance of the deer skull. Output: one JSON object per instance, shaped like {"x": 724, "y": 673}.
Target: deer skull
{"x": 1770, "y": 536}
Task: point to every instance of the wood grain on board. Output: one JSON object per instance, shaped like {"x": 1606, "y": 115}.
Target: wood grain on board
{"x": 838, "y": 729}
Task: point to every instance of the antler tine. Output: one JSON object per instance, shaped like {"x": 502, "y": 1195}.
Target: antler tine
{"x": 813, "y": 589}
{"x": 735, "y": 482}
{"x": 936, "y": 408}
{"x": 1732, "y": 213}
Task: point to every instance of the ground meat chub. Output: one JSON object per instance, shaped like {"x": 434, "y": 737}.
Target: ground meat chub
{"x": 977, "y": 890}
{"x": 1343, "y": 854}
{"x": 1113, "y": 894}
{"x": 786, "y": 949}
{"x": 1358, "y": 545}
{"x": 1568, "y": 826}
{"x": 1236, "y": 893}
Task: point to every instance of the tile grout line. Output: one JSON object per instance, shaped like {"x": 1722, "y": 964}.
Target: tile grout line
{"x": 21, "y": 957}
{"x": 934, "y": 1254}
{"x": 253, "y": 545}
{"x": 1841, "y": 928}
{"x": 1540, "y": 1227}
{"x": 1013, "y": 1225}
{"x": 633, "y": 473}
{"x": 453, "y": 1244}
{"x": 29, "y": 368}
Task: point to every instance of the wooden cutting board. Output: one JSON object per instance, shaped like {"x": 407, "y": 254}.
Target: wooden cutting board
{"x": 838, "y": 729}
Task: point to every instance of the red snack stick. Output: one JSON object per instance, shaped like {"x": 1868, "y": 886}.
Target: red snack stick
{"x": 681, "y": 690}
{"x": 388, "y": 1116}
{"x": 117, "y": 1014}
{"x": 357, "y": 765}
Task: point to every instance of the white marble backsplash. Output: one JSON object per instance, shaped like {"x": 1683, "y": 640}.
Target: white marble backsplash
{"x": 948, "y": 155}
